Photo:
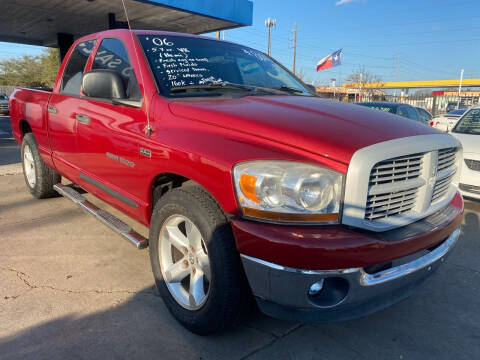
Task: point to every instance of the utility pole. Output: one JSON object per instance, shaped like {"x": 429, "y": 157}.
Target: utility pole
{"x": 361, "y": 79}
{"x": 270, "y": 23}
{"x": 460, "y": 88}
{"x": 396, "y": 76}
{"x": 294, "y": 46}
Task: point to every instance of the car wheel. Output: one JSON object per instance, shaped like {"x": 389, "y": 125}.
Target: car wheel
{"x": 38, "y": 176}
{"x": 194, "y": 261}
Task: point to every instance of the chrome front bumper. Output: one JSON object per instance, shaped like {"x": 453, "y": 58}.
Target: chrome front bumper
{"x": 345, "y": 293}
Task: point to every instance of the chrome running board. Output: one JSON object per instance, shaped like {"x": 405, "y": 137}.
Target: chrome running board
{"x": 105, "y": 217}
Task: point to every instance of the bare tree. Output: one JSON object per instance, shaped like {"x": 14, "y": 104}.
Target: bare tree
{"x": 301, "y": 74}
{"x": 362, "y": 77}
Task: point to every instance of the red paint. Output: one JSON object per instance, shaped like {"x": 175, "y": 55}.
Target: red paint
{"x": 202, "y": 140}
{"x": 333, "y": 247}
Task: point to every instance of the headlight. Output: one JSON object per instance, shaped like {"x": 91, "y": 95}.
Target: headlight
{"x": 288, "y": 191}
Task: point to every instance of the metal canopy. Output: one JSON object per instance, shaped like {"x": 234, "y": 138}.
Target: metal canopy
{"x": 49, "y": 22}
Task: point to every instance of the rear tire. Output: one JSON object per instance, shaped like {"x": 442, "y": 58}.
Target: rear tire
{"x": 38, "y": 176}
{"x": 224, "y": 292}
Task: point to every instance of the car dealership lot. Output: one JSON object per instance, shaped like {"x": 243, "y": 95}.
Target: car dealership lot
{"x": 71, "y": 288}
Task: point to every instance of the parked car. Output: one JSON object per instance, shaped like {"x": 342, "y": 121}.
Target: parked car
{"x": 467, "y": 131}
{"x": 452, "y": 105}
{"x": 3, "y": 104}
{"x": 329, "y": 210}
{"x": 404, "y": 110}
{"x": 424, "y": 114}
{"x": 447, "y": 121}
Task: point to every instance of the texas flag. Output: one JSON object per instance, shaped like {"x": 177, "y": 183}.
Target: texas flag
{"x": 330, "y": 61}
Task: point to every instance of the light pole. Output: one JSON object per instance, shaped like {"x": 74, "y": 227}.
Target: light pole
{"x": 460, "y": 88}
{"x": 269, "y": 23}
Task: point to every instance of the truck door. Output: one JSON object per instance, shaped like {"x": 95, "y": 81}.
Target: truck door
{"x": 109, "y": 133}
{"x": 61, "y": 110}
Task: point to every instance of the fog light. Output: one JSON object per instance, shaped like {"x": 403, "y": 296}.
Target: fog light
{"x": 316, "y": 288}
{"x": 328, "y": 292}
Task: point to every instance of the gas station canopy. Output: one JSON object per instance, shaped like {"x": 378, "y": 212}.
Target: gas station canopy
{"x": 56, "y": 23}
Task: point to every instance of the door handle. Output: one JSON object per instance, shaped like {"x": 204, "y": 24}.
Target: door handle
{"x": 84, "y": 119}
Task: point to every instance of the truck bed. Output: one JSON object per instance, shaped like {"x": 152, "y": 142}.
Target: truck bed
{"x": 30, "y": 105}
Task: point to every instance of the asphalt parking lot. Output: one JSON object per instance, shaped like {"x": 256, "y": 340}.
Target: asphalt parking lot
{"x": 71, "y": 288}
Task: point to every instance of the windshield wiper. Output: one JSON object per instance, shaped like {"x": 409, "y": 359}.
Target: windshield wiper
{"x": 234, "y": 86}
{"x": 226, "y": 86}
{"x": 288, "y": 89}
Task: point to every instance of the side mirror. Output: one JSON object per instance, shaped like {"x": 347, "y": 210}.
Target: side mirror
{"x": 312, "y": 88}
{"x": 102, "y": 83}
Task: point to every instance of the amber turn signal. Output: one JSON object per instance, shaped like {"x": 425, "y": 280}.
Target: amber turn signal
{"x": 247, "y": 185}
{"x": 278, "y": 216}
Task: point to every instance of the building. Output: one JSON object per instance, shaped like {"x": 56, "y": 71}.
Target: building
{"x": 349, "y": 95}
{"x": 57, "y": 23}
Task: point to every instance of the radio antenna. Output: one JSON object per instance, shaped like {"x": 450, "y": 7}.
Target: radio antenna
{"x": 148, "y": 130}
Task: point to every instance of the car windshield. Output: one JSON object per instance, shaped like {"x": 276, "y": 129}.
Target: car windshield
{"x": 381, "y": 107}
{"x": 188, "y": 66}
{"x": 3, "y": 97}
{"x": 469, "y": 123}
{"x": 456, "y": 112}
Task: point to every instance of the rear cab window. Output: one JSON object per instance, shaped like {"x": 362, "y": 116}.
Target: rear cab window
{"x": 412, "y": 113}
{"x": 72, "y": 75}
{"x": 402, "y": 111}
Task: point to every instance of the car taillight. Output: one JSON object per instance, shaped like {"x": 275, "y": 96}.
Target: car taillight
{"x": 431, "y": 123}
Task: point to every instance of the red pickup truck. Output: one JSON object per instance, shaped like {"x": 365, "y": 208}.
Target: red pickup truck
{"x": 250, "y": 185}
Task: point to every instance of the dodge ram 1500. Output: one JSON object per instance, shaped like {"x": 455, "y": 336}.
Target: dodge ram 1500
{"x": 249, "y": 183}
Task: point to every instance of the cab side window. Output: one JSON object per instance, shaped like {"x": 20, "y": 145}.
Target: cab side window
{"x": 112, "y": 55}
{"x": 412, "y": 114}
{"x": 72, "y": 75}
{"x": 402, "y": 111}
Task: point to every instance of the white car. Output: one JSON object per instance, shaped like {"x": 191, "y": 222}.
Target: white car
{"x": 467, "y": 131}
{"x": 447, "y": 121}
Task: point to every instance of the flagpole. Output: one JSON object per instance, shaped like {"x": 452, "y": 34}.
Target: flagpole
{"x": 340, "y": 75}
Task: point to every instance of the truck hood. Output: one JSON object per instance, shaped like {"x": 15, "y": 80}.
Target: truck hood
{"x": 327, "y": 128}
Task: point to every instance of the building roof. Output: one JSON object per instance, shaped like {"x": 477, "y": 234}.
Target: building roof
{"x": 343, "y": 90}
{"x": 417, "y": 84}
{"x": 39, "y": 22}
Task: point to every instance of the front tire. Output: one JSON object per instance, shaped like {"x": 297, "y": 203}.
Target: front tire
{"x": 194, "y": 261}
{"x": 38, "y": 176}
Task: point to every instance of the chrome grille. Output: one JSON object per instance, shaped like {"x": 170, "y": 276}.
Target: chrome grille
{"x": 390, "y": 184}
{"x": 446, "y": 169}
{"x": 393, "y": 186}
{"x": 446, "y": 159}
{"x": 473, "y": 164}
{"x": 402, "y": 168}
{"x": 389, "y": 204}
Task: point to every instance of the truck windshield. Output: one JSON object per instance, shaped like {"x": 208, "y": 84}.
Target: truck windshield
{"x": 187, "y": 66}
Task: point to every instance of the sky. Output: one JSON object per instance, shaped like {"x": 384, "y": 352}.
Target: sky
{"x": 430, "y": 39}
